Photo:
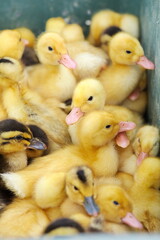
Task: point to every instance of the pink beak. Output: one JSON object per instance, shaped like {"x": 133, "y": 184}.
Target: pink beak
{"x": 130, "y": 220}
{"x": 141, "y": 157}
{"x": 67, "y": 61}
{"x": 74, "y": 116}
{"x": 146, "y": 63}
{"x": 121, "y": 138}
{"x": 25, "y": 41}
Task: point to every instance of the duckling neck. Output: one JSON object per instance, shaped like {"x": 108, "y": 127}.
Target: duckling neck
{"x": 12, "y": 162}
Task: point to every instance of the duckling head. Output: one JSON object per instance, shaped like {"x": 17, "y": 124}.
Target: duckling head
{"x": 127, "y": 50}
{"x": 80, "y": 188}
{"x": 16, "y": 137}
{"x": 51, "y": 50}
{"x": 88, "y": 95}
{"x": 115, "y": 205}
{"x": 10, "y": 68}
{"x": 63, "y": 226}
{"x": 98, "y": 128}
{"x": 39, "y": 136}
{"x": 146, "y": 143}
{"x": 12, "y": 44}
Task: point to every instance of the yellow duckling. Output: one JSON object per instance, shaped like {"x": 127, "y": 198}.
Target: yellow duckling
{"x": 12, "y": 45}
{"x": 28, "y": 106}
{"x": 107, "y": 18}
{"x": 77, "y": 185}
{"x": 50, "y": 79}
{"x": 90, "y": 95}
{"x": 145, "y": 194}
{"x": 96, "y": 132}
{"x": 126, "y": 54}
{"x": 79, "y": 189}
{"x": 146, "y": 143}
{"x": 55, "y": 24}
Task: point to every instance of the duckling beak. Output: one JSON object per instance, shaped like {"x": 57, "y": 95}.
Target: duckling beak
{"x": 74, "y": 116}
{"x": 37, "y": 144}
{"x": 122, "y": 138}
{"x": 130, "y": 220}
{"x": 146, "y": 63}
{"x": 67, "y": 61}
{"x": 141, "y": 157}
{"x": 90, "y": 206}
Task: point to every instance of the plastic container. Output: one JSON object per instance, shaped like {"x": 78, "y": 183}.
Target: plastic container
{"x": 34, "y": 13}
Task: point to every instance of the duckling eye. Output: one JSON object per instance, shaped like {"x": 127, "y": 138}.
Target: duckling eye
{"x": 20, "y": 39}
{"x": 128, "y": 52}
{"x": 50, "y": 48}
{"x": 75, "y": 188}
{"x": 108, "y": 126}
{"x": 19, "y": 137}
{"x": 115, "y": 203}
{"x": 90, "y": 98}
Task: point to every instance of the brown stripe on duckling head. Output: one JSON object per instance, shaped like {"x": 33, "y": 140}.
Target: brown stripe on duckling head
{"x": 5, "y": 60}
{"x": 111, "y": 31}
{"x": 12, "y": 125}
{"x": 64, "y": 222}
{"x": 81, "y": 175}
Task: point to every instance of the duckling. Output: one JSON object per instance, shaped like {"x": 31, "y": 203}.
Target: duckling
{"x": 72, "y": 33}
{"x": 29, "y": 56}
{"x": 115, "y": 206}
{"x": 75, "y": 185}
{"x": 96, "y": 150}
{"x": 63, "y": 226}
{"x": 22, "y": 209}
{"x": 15, "y": 138}
{"x": 52, "y": 53}
{"x": 145, "y": 194}
{"x": 55, "y": 24}
{"x": 126, "y": 54}
{"x": 90, "y": 95}
{"x": 28, "y": 106}
{"x": 146, "y": 142}
{"x": 89, "y": 59}
{"x": 11, "y": 44}
{"x": 107, "y": 18}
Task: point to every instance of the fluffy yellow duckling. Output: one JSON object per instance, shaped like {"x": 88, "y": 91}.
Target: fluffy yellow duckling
{"x": 146, "y": 142}
{"x": 28, "y": 106}
{"x": 96, "y": 150}
{"x": 11, "y": 44}
{"x": 90, "y": 95}
{"x": 28, "y": 35}
{"x": 78, "y": 187}
{"x": 126, "y": 54}
{"x": 145, "y": 194}
{"x": 50, "y": 79}
{"x": 55, "y": 24}
{"x": 63, "y": 227}
{"x": 107, "y": 18}
{"x": 89, "y": 59}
